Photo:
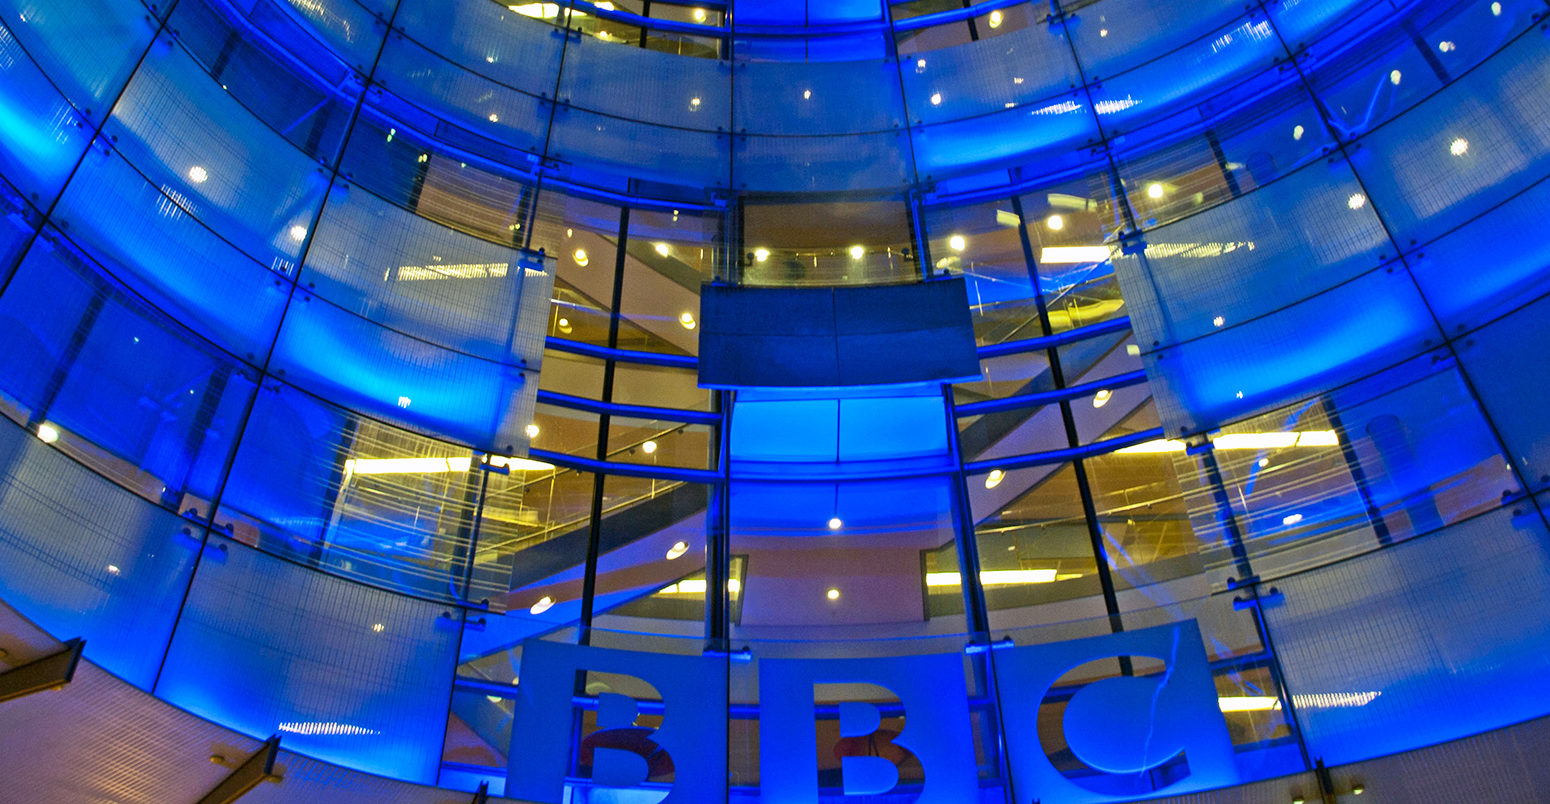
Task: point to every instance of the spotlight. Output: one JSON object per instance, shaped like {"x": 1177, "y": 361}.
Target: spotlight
{"x": 198, "y": 175}
{"x": 835, "y": 523}
{"x": 857, "y": 252}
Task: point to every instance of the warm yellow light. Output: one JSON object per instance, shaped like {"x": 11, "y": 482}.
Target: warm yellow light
{"x": 687, "y": 320}
{"x": 1154, "y": 190}
{"x": 1055, "y": 223}
{"x": 761, "y": 254}
{"x": 807, "y": 94}
{"x": 543, "y": 605}
{"x": 857, "y": 252}
{"x": 1459, "y": 147}
{"x": 995, "y": 577}
{"x": 662, "y": 248}
{"x": 198, "y": 175}
{"x": 1297, "y": 132}
{"x": 47, "y": 433}
{"x": 1394, "y": 77}
{"x": 1255, "y": 441}
{"x": 648, "y": 447}
{"x": 542, "y": 11}
{"x": 563, "y": 325}
{"x": 1248, "y": 703}
{"x": 832, "y": 594}
{"x": 494, "y": 118}
{"x": 428, "y": 466}
{"x": 531, "y": 430}
{"x": 1102, "y": 398}
{"x": 956, "y": 243}
{"x": 1073, "y": 255}
{"x": 996, "y": 19}
{"x": 580, "y": 256}
{"x": 677, "y": 550}
{"x": 994, "y": 478}
{"x": 699, "y": 15}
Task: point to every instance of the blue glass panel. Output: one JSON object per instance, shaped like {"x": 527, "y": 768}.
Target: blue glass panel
{"x": 158, "y": 407}
{"x": 184, "y": 133}
{"x": 148, "y": 240}
{"x": 1292, "y": 353}
{"x": 856, "y": 162}
{"x": 342, "y": 672}
{"x": 1231, "y": 263}
{"x": 513, "y": 117}
{"x": 1511, "y": 376}
{"x": 488, "y": 38}
{"x": 41, "y": 135}
{"x": 418, "y": 277}
{"x": 348, "y": 27}
{"x": 1021, "y": 68}
{"x": 87, "y": 48}
{"x": 393, "y": 376}
{"x": 1409, "y": 647}
{"x": 82, "y": 557}
{"x": 1482, "y": 139}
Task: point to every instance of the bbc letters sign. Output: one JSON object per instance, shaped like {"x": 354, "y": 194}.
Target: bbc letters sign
{"x": 1161, "y": 732}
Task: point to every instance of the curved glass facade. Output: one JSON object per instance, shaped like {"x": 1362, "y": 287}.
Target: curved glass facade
{"x": 351, "y": 345}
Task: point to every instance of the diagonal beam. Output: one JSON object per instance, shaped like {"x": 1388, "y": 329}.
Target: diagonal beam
{"x": 47, "y": 673}
{"x": 253, "y": 771}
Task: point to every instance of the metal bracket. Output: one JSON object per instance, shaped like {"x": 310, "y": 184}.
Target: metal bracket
{"x": 254, "y": 771}
{"x": 47, "y": 673}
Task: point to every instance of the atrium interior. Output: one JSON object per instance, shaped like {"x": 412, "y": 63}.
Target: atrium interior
{"x": 774, "y": 401}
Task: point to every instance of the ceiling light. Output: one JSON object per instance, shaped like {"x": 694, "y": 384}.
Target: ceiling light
{"x": 956, "y": 243}
{"x": 761, "y": 254}
{"x": 489, "y": 59}
{"x": 995, "y": 577}
{"x": 47, "y": 433}
{"x": 1297, "y": 132}
{"x": 543, "y": 605}
{"x": 857, "y": 252}
{"x": 687, "y": 320}
{"x": 1496, "y": 9}
{"x": 1445, "y": 46}
{"x": 404, "y": 401}
{"x": 1459, "y": 147}
{"x": 920, "y": 64}
{"x": 113, "y": 569}
{"x": 677, "y": 550}
{"x": 1291, "y": 519}
{"x": 1055, "y": 223}
{"x": 662, "y": 248}
{"x": 832, "y": 594}
{"x": 1073, "y": 255}
{"x": 807, "y": 94}
{"x": 1218, "y": 321}
{"x": 563, "y": 325}
{"x": 1103, "y": 32}
{"x": 1264, "y": 462}
{"x": 835, "y": 523}
{"x": 580, "y": 256}
{"x": 699, "y": 15}
{"x": 994, "y": 478}
{"x": 1248, "y": 703}
{"x": 378, "y": 627}
{"x": 198, "y": 175}
{"x": 1394, "y": 77}
{"x": 694, "y": 104}
{"x": 1356, "y": 201}
{"x": 649, "y": 447}
{"x": 1102, "y": 398}
{"x": 996, "y": 19}
{"x": 1154, "y": 190}
{"x": 494, "y": 118}
{"x": 531, "y": 430}
{"x": 936, "y": 99}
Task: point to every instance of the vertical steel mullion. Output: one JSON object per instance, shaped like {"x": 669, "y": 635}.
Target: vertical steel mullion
{"x": 1073, "y": 438}
{"x": 595, "y": 532}
{"x": 718, "y": 535}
